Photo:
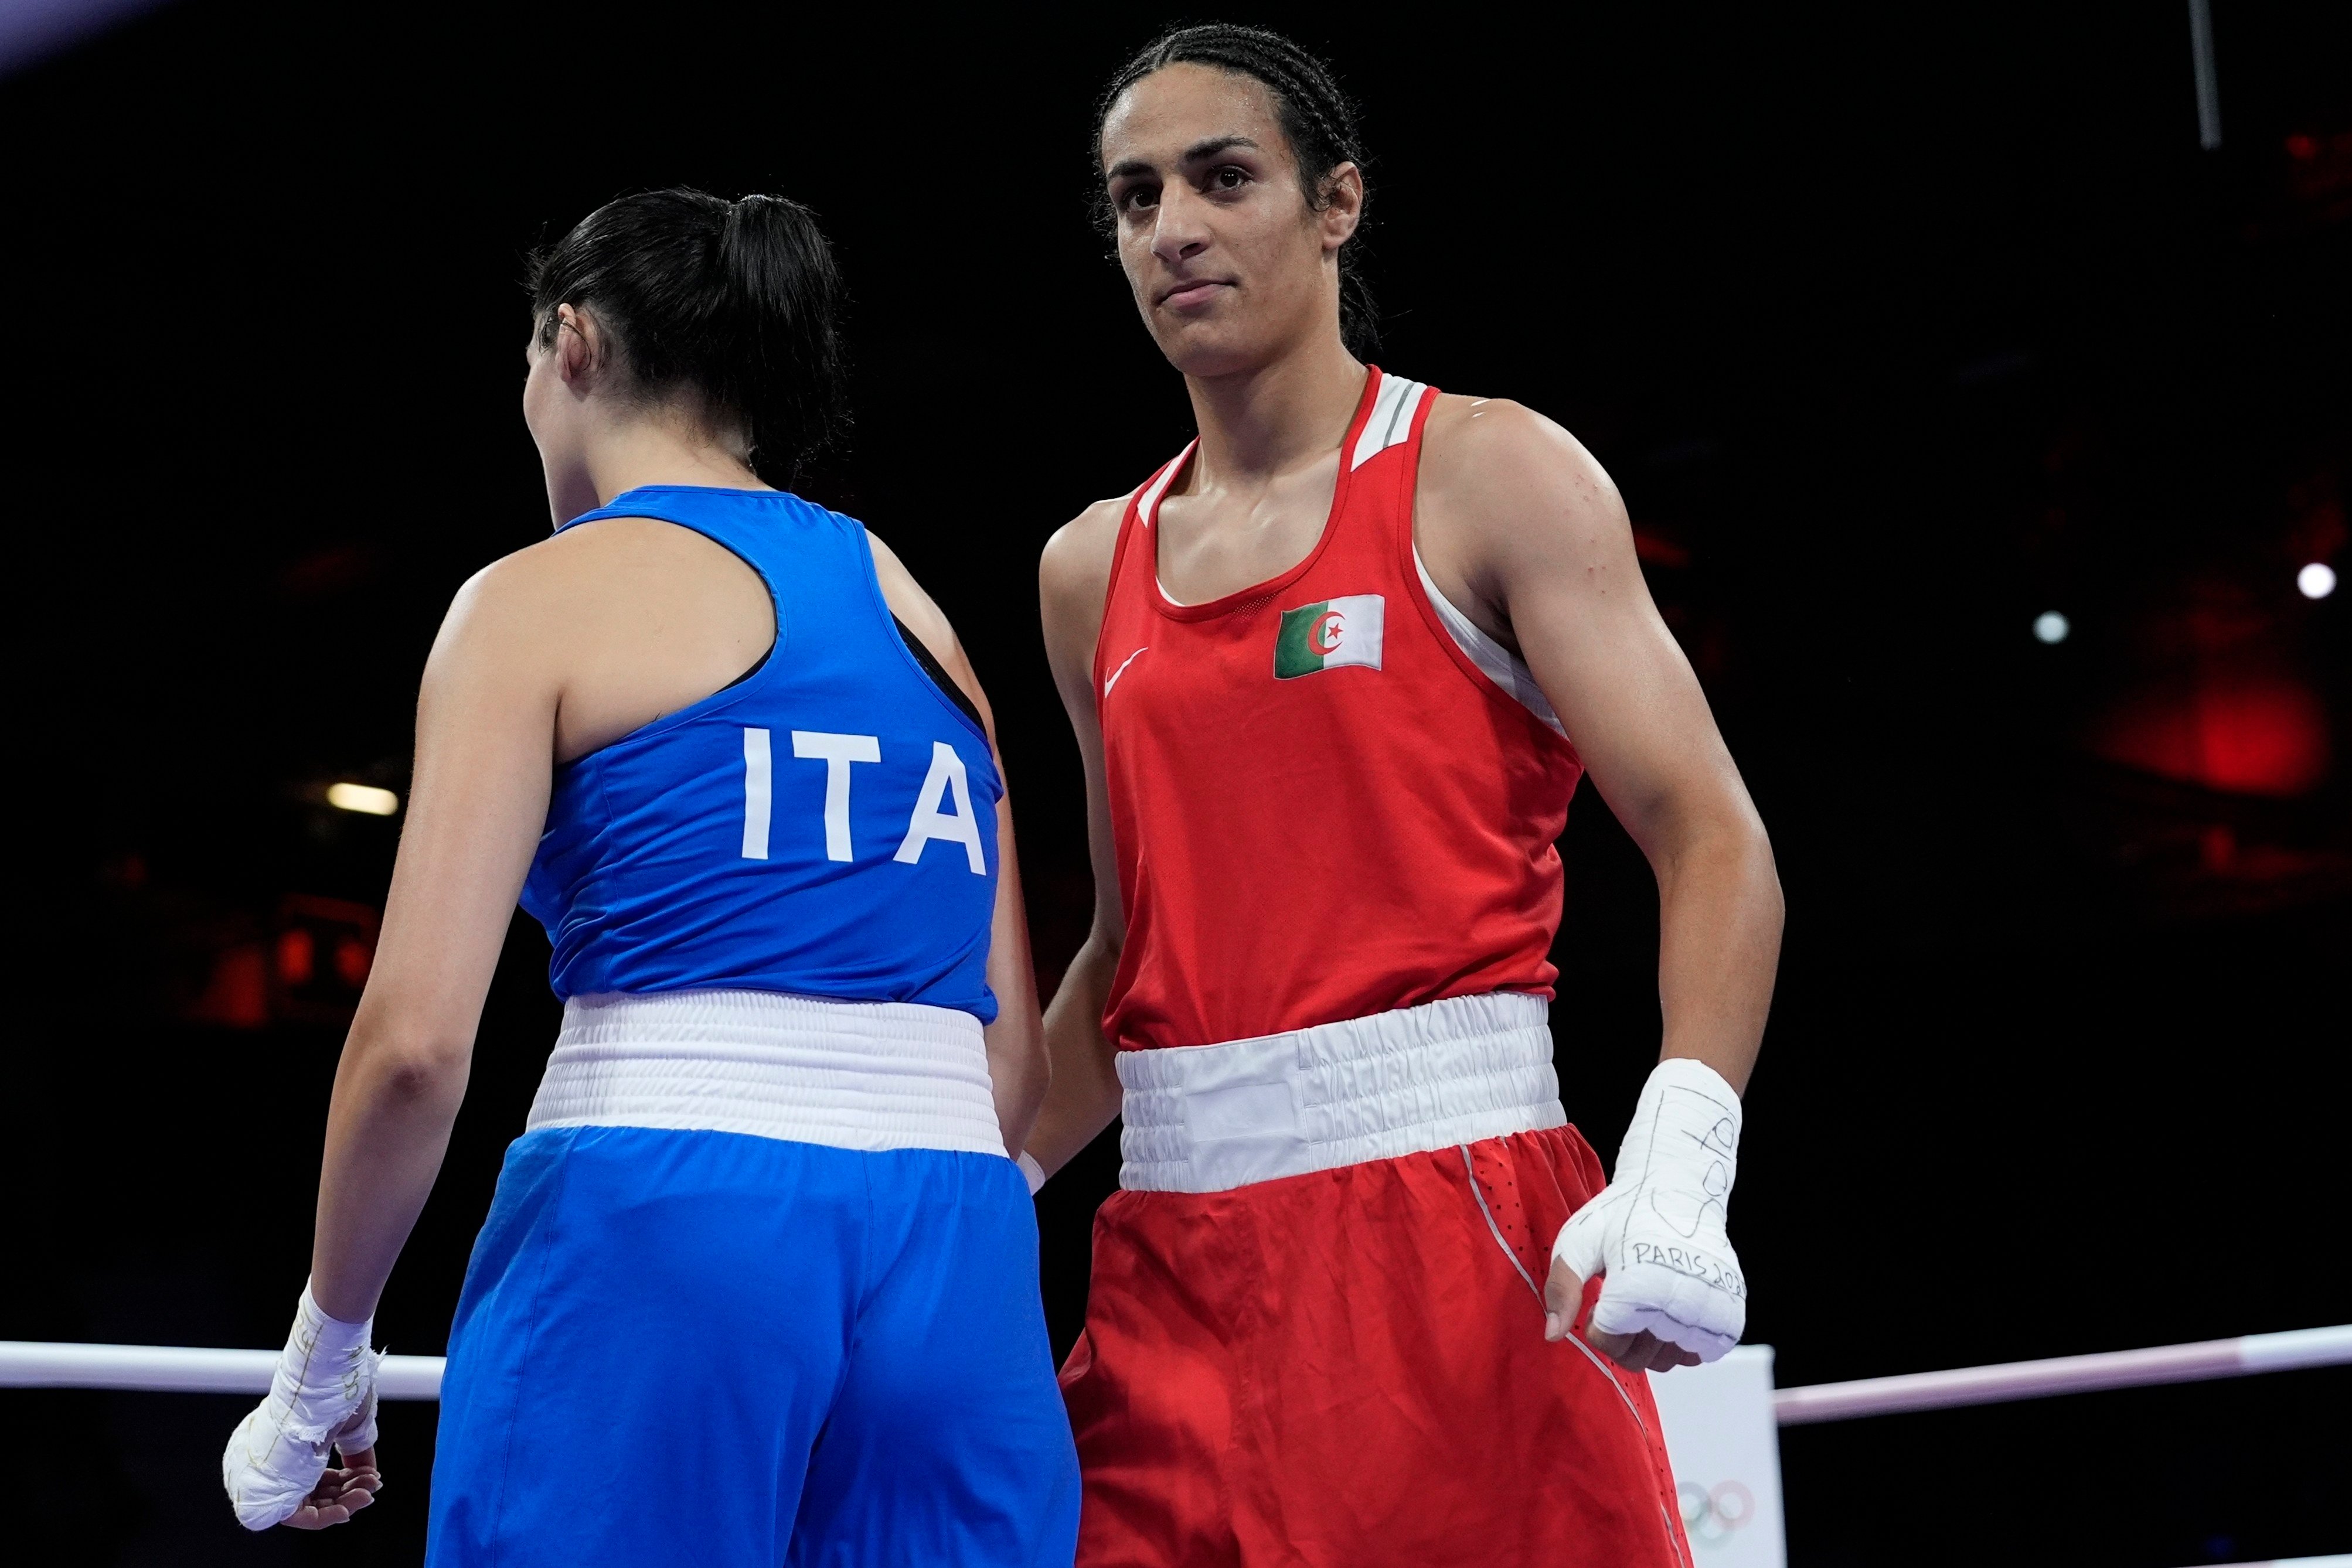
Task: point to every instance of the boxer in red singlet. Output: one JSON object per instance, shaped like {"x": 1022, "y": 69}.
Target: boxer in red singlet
{"x": 1334, "y": 671}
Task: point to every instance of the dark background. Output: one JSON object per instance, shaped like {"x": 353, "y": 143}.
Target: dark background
{"x": 1898, "y": 326}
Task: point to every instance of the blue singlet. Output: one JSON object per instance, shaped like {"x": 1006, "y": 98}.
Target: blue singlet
{"x": 758, "y": 1287}
{"x": 824, "y": 827}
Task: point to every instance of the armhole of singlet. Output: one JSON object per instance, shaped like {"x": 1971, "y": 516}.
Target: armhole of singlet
{"x": 1131, "y": 523}
{"x": 724, "y": 696}
{"x": 939, "y": 672}
{"x": 923, "y": 656}
{"x": 1486, "y": 664}
{"x": 1506, "y": 669}
{"x": 923, "y": 663}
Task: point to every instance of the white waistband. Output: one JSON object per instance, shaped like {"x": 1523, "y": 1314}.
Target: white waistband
{"x": 1207, "y": 1118}
{"x": 854, "y": 1075}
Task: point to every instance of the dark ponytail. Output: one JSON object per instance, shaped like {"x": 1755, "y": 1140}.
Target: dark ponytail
{"x": 1317, "y": 118}
{"x": 731, "y": 302}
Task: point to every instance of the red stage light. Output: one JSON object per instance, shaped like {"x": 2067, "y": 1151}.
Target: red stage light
{"x": 2302, "y": 147}
{"x": 237, "y": 993}
{"x": 325, "y": 947}
{"x": 1650, "y": 547}
{"x": 2255, "y": 736}
{"x": 297, "y": 957}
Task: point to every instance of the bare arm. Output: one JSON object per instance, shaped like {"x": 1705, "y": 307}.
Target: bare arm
{"x": 1517, "y": 519}
{"x": 1073, "y": 578}
{"x": 1017, "y": 1065}
{"x": 1521, "y": 528}
{"x": 485, "y": 722}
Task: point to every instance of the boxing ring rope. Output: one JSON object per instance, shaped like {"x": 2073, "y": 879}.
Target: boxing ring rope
{"x": 25, "y": 1364}
{"x": 176, "y": 1369}
{"x": 2064, "y": 1375}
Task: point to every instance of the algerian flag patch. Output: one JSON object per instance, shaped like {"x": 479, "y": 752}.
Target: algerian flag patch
{"x": 1326, "y": 636}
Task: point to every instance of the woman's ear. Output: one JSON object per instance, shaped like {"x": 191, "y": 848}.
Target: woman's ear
{"x": 577, "y": 349}
{"x": 1343, "y": 205}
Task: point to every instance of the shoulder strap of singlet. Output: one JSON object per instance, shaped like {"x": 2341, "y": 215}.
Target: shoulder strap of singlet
{"x": 1146, "y": 499}
{"x": 757, "y": 540}
{"x": 754, "y": 526}
{"x": 1135, "y": 536}
{"x": 1394, "y": 418}
{"x": 1407, "y": 410}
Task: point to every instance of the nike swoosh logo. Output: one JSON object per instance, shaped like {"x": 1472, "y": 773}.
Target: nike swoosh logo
{"x": 1123, "y": 669}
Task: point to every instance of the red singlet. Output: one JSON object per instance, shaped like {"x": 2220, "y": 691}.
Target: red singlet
{"x": 1323, "y": 806}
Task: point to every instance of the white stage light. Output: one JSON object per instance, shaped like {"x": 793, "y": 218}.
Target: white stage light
{"x": 365, "y": 799}
{"x": 2316, "y": 580}
{"x": 2051, "y": 627}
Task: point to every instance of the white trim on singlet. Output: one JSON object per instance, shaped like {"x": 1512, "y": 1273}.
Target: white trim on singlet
{"x": 1496, "y": 663}
{"x": 1390, "y": 422}
{"x": 1147, "y": 510}
{"x": 1146, "y": 500}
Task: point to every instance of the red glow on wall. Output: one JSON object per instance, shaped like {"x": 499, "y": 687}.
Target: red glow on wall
{"x": 2255, "y": 736}
{"x": 325, "y": 947}
{"x": 1658, "y": 551}
{"x": 236, "y": 994}
{"x": 297, "y": 957}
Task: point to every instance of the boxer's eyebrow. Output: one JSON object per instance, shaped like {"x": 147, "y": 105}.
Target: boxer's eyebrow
{"x": 1210, "y": 147}
{"x": 1200, "y": 152}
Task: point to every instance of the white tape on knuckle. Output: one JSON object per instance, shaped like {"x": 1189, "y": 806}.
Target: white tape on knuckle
{"x": 323, "y": 1395}
{"x": 1579, "y": 1243}
{"x": 260, "y": 1490}
{"x": 1657, "y": 1231}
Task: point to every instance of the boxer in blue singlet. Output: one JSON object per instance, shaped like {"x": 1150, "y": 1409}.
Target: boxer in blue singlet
{"x": 759, "y": 1285}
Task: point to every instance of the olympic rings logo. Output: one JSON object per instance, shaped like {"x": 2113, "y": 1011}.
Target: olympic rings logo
{"x": 1711, "y": 1516}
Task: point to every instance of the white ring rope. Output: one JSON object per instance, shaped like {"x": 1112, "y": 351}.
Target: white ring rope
{"x": 26, "y": 1364}
{"x": 174, "y": 1369}
{"x": 2064, "y": 1375}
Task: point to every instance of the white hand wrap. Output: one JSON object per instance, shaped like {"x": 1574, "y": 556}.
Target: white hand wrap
{"x": 1032, "y": 1172}
{"x": 1656, "y": 1232}
{"x": 322, "y": 1396}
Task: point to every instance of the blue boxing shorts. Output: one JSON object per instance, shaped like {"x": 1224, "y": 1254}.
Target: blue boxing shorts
{"x": 717, "y": 1349}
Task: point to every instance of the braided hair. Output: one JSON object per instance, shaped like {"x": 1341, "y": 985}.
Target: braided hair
{"x": 1317, "y": 118}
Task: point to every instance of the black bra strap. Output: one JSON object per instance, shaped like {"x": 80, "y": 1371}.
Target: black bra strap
{"x": 932, "y": 667}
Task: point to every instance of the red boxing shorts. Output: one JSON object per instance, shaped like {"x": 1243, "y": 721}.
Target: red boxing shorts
{"x": 1346, "y": 1367}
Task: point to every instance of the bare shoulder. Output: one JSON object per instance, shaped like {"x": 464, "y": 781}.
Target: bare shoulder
{"x": 1075, "y": 569}
{"x": 1491, "y": 456}
{"x": 921, "y": 614}
{"x": 1506, "y": 497}
{"x": 615, "y": 559}
{"x": 518, "y": 597}
{"x": 907, "y": 598}
{"x": 628, "y": 617}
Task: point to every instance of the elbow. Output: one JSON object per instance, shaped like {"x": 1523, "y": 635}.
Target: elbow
{"x": 426, "y": 1078}
{"x": 1727, "y": 854}
{"x": 1762, "y": 876}
{"x": 422, "y": 1070}
{"x": 1105, "y": 940}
